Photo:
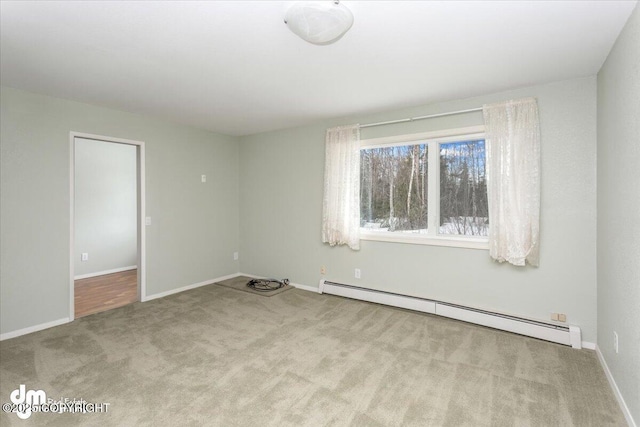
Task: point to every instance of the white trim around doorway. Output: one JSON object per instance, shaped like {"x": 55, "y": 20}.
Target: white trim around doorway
{"x": 141, "y": 212}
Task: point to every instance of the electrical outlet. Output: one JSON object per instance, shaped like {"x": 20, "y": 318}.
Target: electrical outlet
{"x": 554, "y": 316}
{"x": 615, "y": 341}
{"x": 236, "y": 256}
{"x": 562, "y": 317}
{"x": 323, "y": 270}
{"x": 84, "y": 257}
{"x": 357, "y": 273}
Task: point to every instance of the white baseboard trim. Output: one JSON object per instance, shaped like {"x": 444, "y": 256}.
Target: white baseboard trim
{"x": 188, "y": 287}
{"x": 562, "y": 334}
{"x": 47, "y": 325}
{"x": 102, "y": 273}
{"x": 253, "y": 276}
{"x": 393, "y": 300}
{"x": 588, "y": 345}
{"x": 305, "y": 287}
{"x": 35, "y": 328}
{"x": 616, "y": 390}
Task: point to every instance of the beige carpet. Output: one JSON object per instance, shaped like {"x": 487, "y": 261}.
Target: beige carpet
{"x": 240, "y": 283}
{"x": 215, "y": 356}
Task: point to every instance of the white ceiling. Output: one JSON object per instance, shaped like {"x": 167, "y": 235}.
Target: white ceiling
{"x": 234, "y": 67}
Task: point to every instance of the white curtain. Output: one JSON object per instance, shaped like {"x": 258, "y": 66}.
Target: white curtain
{"x": 341, "y": 204}
{"x": 513, "y": 180}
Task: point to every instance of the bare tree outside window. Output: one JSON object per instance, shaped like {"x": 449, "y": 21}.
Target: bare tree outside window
{"x": 463, "y": 189}
{"x": 394, "y": 188}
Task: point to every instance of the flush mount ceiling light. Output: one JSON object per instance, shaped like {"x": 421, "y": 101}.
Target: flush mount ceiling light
{"x": 319, "y": 22}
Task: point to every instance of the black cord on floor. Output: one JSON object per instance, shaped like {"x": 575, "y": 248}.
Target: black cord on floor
{"x": 266, "y": 285}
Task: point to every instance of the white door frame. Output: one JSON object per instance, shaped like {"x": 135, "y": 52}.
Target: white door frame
{"x": 142, "y": 291}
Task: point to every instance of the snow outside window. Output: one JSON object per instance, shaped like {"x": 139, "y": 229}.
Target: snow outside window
{"x": 425, "y": 189}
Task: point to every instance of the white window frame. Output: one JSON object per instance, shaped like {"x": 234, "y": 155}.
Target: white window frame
{"x": 433, "y": 141}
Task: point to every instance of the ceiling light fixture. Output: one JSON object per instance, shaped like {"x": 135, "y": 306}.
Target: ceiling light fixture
{"x": 319, "y": 22}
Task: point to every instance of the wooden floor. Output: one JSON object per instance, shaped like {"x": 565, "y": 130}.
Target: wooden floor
{"x": 101, "y": 293}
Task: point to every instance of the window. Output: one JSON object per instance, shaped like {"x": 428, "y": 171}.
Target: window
{"x": 463, "y": 188}
{"x": 428, "y": 188}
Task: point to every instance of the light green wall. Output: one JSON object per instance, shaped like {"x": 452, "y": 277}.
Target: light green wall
{"x": 195, "y": 226}
{"x": 619, "y": 211}
{"x": 281, "y": 205}
{"x": 105, "y": 206}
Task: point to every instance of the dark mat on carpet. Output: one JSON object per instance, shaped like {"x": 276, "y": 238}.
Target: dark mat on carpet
{"x": 240, "y": 283}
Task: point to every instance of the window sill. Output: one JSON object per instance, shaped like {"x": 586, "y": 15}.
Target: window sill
{"x": 416, "y": 239}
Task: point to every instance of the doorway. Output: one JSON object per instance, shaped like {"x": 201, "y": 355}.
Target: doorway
{"x": 107, "y": 267}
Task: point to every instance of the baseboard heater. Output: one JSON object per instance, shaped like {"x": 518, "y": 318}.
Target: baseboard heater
{"x": 567, "y": 335}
